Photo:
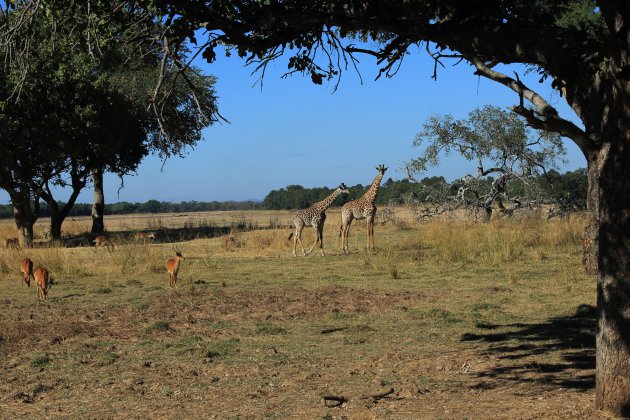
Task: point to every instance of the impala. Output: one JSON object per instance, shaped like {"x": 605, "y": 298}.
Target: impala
{"x": 12, "y": 243}
{"x": 172, "y": 268}
{"x": 144, "y": 236}
{"x": 26, "y": 267}
{"x": 104, "y": 240}
{"x": 41, "y": 277}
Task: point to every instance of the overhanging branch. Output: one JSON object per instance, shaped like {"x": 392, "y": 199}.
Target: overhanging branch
{"x": 546, "y": 118}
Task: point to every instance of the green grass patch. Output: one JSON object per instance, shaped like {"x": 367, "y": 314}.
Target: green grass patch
{"x": 40, "y": 360}
{"x": 269, "y": 329}
{"x": 222, "y": 348}
{"x": 158, "y": 326}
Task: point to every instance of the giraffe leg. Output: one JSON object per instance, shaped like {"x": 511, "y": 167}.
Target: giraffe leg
{"x": 342, "y": 235}
{"x": 320, "y": 233}
{"x": 314, "y": 243}
{"x": 346, "y": 233}
{"x": 295, "y": 240}
{"x": 372, "y": 235}
{"x": 346, "y": 220}
{"x": 317, "y": 238}
{"x": 367, "y": 245}
{"x": 299, "y": 239}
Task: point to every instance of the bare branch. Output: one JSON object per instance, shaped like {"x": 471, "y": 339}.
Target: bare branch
{"x": 546, "y": 117}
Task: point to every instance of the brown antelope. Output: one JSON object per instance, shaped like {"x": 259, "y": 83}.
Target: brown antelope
{"x": 41, "y": 278}
{"x": 172, "y": 268}
{"x": 104, "y": 240}
{"x": 144, "y": 236}
{"x": 12, "y": 243}
{"x": 26, "y": 267}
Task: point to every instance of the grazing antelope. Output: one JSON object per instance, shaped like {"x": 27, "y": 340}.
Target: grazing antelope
{"x": 12, "y": 243}
{"x": 26, "y": 267}
{"x": 41, "y": 277}
{"x": 104, "y": 240}
{"x": 172, "y": 268}
{"x": 144, "y": 236}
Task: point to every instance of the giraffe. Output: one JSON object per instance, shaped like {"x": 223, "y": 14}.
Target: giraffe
{"x": 314, "y": 216}
{"x": 361, "y": 208}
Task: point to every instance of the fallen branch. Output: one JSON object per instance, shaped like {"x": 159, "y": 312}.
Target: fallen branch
{"x": 332, "y": 330}
{"x": 380, "y": 395}
{"x": 332, "y": 401}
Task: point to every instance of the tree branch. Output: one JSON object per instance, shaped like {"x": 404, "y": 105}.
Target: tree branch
{"x": 548, "y": 118}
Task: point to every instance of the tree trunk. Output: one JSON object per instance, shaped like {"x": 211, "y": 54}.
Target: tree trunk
{"x": 58, "y": 215}
{"x": 98, "y": 223}
{"x": 613, "y": 285}
{"x": 55, "y": 226}
{"x": 590, "y": 236}
{"x": 24, "y": 215}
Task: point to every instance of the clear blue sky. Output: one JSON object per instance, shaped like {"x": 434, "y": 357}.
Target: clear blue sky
{"x": 295, "y": 132}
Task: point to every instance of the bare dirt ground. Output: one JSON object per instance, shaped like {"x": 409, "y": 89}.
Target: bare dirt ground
{"x": 110, "y": 364}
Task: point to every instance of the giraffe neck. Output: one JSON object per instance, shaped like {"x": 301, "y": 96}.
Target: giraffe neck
{"x": 326, "y": 202}
{"x": 370, "y": 195}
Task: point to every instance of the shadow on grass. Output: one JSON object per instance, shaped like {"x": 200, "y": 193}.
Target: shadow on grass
{"x": 161, "y": 236}
{"x": 570, "y": 339}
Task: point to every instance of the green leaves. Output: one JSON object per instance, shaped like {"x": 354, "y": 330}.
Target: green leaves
{"x": 491, "y": 137}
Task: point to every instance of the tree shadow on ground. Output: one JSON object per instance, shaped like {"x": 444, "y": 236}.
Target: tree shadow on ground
{"x": 571, "y": 340}
{"x": 162, "y": 235}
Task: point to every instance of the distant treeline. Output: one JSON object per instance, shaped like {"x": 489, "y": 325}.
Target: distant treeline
{"x": 298, "y": 197}
{"x": 570, "y": 186}
{"x": 151, "y": 206}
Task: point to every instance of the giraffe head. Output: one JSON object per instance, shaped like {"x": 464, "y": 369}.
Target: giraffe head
{"x": 343, "y": 189}
{"x": 381, "y": 169}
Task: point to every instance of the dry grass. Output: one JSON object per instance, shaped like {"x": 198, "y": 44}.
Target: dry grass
{"x": 461, "y": 319}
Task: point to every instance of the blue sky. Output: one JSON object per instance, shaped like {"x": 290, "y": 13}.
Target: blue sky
{"x": 295, "y": 132}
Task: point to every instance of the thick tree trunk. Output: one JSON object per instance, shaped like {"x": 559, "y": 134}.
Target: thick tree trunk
{"x": 24, "y": 215}
{"x": 590, "y": 235}
{"x": 613, "y": 286}
{"x": 58, "y": 215}
{"x": 55, "y": 226}
{"x": 98, "y": 223}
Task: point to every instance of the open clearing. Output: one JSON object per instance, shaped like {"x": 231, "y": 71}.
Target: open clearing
{"x": 461, "y": 320}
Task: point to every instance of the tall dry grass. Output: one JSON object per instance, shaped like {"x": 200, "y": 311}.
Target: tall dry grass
{"x": 497, "y": 242}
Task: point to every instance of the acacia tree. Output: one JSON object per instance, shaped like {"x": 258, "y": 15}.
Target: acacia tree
{"x": 583, "y": 46}
{"x": 510, "y": 159}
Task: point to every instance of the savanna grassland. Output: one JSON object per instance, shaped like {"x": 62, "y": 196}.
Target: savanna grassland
{"x": 462, "y": 320}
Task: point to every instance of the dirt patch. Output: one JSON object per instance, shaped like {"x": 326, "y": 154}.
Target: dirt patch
{"x": 202, "y": 350}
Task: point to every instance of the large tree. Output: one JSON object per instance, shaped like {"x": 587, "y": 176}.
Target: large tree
{"x": 78, "y": 97}
{"x": 582, "y": 46}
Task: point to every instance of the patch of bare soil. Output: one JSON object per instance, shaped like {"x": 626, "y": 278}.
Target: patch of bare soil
{"x": 301, "y": 303}
{"x": 69, "y": 361}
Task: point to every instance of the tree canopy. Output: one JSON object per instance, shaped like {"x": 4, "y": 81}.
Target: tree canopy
{"x": 90, "y": 89}
{"x": 510, "y": 159}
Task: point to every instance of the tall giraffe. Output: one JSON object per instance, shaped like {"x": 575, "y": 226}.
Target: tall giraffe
{"x": 314, "y": 216}
{"x": 361, "y": 208}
